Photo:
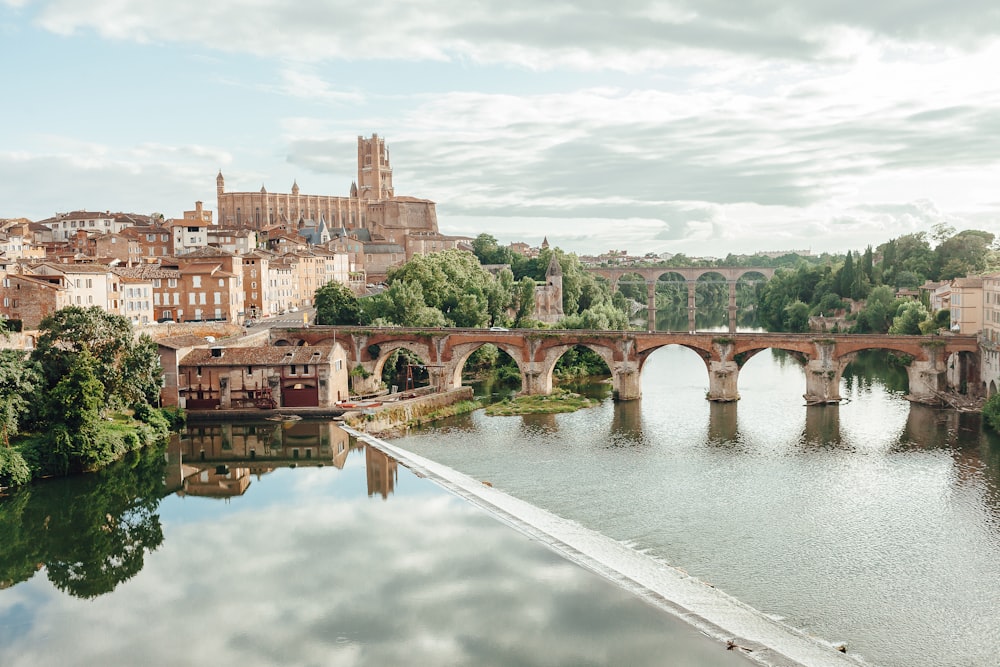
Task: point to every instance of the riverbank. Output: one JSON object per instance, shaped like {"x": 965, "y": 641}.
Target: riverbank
{"x": 730, "y": 623}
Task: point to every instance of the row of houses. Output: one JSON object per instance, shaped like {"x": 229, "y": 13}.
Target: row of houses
{"x": 204, "y": 285}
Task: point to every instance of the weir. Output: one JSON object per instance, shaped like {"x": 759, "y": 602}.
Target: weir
{"x": 725, "y": 619}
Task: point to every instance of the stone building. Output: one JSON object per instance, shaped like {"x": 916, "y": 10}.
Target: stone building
{"x": 372, "y": 203}
{"x": 245, "y": 377}
{"x": 549, "y": 296}
{"x": 31, "y": 299}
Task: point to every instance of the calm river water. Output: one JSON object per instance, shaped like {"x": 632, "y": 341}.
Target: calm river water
{"x": 315, "y": 551}
{"x": 875, "y": 524}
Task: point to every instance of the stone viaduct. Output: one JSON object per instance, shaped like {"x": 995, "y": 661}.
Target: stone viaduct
{"x": 445, "y": 351}
{"x": 687, "y": 275}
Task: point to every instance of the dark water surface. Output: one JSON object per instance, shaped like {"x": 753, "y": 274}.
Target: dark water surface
{"x": 168, "y": 561}
{"x": 875, "y": 523}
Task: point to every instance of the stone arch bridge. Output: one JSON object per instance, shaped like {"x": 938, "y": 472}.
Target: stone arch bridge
{"x": 445, "y": 351}
{"x": 689, "y": 276}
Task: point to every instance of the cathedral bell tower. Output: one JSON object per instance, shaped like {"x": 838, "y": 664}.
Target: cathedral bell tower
{"x": 374, "y": 170}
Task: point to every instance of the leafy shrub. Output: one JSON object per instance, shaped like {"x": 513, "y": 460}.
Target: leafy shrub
{"x": 14, "y": 470}
{"x": 991, "y": 412}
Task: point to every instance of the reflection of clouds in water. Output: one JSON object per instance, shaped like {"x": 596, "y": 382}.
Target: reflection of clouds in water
{"x": 420, "y": 579}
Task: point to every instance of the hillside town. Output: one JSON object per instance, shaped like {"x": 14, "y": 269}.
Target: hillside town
{"x": 266, "y": 254}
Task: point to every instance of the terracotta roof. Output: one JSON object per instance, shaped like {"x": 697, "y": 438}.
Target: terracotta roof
{"x": 200, "y": 267}
{"x": 184, "y": 340}
{"x": 260, "y": 356}
{"x": 146, "y": 271}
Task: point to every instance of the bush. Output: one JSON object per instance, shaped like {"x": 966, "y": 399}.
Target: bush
{"x": 991, "y": 412}
{"x": 14, "y": 470}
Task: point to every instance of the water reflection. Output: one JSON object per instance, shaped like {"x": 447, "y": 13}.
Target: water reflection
{"x": 722, "y": 423}
{"x": 299, "y": 569}
{"x": 89, "y": 533}
{"x": 822, "y": 426}
{"x": 382, "y": 473}
{"x": 626, "y": 425}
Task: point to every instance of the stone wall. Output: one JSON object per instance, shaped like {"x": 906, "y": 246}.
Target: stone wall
{"x": 392, "y": 415}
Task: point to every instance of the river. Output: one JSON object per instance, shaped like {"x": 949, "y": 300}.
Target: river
{"x": 875, "y": 524}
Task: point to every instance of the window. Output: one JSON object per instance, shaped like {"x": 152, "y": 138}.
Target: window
{"x": 201, "y": 298}
{"x": 172, "y": 282}
{"x": 218, "y": 297}
{"x": 196, "y": 281}
{"x": 222, "y": 282}
{"x": 191, "y": 298}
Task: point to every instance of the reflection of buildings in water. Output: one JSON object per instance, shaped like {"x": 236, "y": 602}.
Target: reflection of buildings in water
{"x": 928, "y": 427}
{"x": 215, "y": 482}
{"x": 722, "y": 422}
{"x": 302, "y": 441}
{"x": 822, "y": 425}
{"x": 382, "y": 472}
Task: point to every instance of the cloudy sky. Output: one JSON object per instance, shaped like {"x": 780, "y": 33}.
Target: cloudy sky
{"x": 695, "y": 126}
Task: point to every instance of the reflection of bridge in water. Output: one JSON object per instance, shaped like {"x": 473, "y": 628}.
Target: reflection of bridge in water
{"x": 536, "y": 352}
{"x": 690, "y": 276}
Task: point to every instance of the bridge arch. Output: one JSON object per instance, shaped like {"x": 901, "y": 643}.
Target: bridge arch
{"x": 387, "y": 348}
{"x": 538, "y": 377}
{"x": 452, "y": 372}
{"x": 700, "y": 352}
{"x": 670, "y": 302}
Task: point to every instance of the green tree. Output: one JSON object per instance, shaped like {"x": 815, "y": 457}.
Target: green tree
{"x": 453, "y": 282}
{"x": 963, "y": 254}
{"x": 796, "y": 317}
{"x": 524, "y": 301}
{"x": 909, "y": 319}
{"x": 129, "y": 368}
{"x": 991, "y": 411}
{"x": 488, "y": 251}
{"x": 336, "y": 304}
{"x": 19, "y": 383}
{"x": 879, "y": 311}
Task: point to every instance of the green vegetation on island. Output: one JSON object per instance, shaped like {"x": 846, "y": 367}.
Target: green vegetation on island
{"x": 558, "y": 401}
{"x": 82, "y": 399}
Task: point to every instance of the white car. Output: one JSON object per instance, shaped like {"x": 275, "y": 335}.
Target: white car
{"x": 293, "y": 309}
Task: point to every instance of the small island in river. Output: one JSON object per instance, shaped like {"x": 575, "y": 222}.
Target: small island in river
{"x": 560, "y": 400}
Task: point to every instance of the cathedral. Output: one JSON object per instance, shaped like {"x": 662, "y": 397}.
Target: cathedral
{"x": 372, "y": 204}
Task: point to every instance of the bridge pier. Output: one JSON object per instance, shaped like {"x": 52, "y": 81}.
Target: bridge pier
{"x": 692, "y": 308}
{"x": 534, "y": 382}
{"x": 927, "y": 380}
{"x": 732, "y": 306}
{"x": 625, "y": 382}
{"x": 723, "y": 379}
{"x": 823, "y": 375}
{"x": 651, "y": 306}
